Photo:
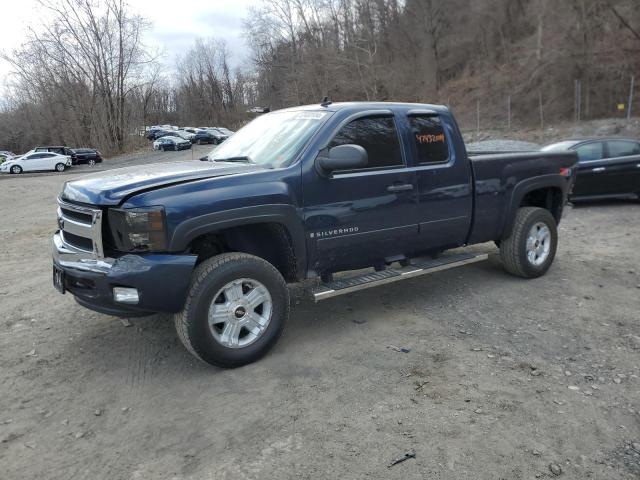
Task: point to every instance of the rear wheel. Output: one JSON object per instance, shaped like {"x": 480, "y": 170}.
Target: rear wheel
{"x": 531, "y": 246}
{"x": 236, "y": 310}
{"x": 91, "y": 162}
{"x": 16, "y": 169}
{"x": 60, "y": 167}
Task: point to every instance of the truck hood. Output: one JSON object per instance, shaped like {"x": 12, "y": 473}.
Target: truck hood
{"x": 113, "y": 186}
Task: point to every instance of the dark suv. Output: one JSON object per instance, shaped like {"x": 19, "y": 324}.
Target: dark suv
{"x": 208, "y": 136}
{"x": 62, "y": 150}
{"x": 90, "y": 156}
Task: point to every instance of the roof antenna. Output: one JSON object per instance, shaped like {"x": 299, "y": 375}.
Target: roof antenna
{"x": 325, "y": 102}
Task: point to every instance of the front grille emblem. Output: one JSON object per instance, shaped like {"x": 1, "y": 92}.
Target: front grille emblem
{"x": 60, "y": 223}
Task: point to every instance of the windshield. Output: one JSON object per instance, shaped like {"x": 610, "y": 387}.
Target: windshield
{"x": 273, "y": 140}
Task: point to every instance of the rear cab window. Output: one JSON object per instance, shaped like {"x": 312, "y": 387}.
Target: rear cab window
{"x": 622, "y": 148}
{"x": 429, "y": 139}
{"x": 590, "y": 151}
{"x": 378, "y": 136}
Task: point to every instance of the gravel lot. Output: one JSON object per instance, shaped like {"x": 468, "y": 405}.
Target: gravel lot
{"x": 505, "y": 378}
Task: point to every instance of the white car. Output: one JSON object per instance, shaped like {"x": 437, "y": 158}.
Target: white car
{"x": 36, "y": 161}
{"x": 185, "y": 134}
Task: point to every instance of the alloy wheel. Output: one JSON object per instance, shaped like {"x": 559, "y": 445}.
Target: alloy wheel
{"x": 240, "y": 313}
{"x": 538, "y": 244}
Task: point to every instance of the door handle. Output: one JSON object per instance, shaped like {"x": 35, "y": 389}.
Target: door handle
{"x": 400, "y": 187}
{"x": 599, "y": 169}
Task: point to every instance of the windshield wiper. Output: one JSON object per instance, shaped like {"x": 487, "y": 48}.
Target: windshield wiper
{"x": 241, "y": 158}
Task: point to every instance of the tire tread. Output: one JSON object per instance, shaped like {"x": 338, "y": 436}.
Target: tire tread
{"x": 510, "y": 245}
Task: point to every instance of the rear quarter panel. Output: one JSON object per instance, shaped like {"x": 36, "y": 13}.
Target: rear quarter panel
{"x": 501, "y": 182}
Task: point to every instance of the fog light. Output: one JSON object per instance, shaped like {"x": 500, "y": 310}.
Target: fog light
{"x": 125, "y": 295}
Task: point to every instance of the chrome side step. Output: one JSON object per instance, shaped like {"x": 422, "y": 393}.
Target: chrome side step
{"x": 418, "y": 266}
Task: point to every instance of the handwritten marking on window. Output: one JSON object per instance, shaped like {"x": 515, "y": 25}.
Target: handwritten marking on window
{"x": 430, "y": 138}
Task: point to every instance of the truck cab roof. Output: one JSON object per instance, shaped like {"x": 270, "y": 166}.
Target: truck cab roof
{"x": 360, "y": 106}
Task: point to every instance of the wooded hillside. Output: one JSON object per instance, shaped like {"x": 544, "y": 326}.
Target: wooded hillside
{"x": 87, "y": 79}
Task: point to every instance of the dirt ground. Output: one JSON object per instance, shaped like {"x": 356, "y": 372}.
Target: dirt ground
{"x": 505, "y": 378}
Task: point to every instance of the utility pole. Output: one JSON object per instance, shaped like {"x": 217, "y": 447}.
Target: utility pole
{"x": 630, "y": 97}
{"x": 509, "y": 112}
{"x": 541, "y": 110}
{"x": 478, "y": 116}
{"x": 578, "y": 103}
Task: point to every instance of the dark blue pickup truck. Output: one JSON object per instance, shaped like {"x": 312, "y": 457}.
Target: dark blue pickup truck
{"x": 298, "y": 194}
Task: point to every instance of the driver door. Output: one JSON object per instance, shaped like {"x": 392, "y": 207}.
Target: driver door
{"x": 31, "y": 162}
{"x": 360, "y": 217}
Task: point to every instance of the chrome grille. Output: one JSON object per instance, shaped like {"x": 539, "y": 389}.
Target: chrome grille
{"x": 81, "y": 228}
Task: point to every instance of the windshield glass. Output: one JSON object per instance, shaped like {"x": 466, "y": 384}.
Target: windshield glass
{"x": 272, "y": 140}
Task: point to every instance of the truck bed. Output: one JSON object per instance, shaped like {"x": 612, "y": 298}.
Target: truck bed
{"x": 500, "y": 177}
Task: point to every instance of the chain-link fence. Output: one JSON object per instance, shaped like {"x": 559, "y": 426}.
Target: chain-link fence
{"x": 540, "y": 108}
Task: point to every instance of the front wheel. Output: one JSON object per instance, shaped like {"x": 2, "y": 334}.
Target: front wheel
{"x": 16, "y": 169}
{"x": 91, "y": 162}
{"x": 60, "y": 167}
{"x": 531, "y": 246}
{"x": 236, "y": 310}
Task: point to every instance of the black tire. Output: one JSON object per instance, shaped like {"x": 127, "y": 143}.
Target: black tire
{"x": 513, "y": 249}
{"x": 209, "y": 277}
{"x": 16, "y": 169}
{"x": 60, "y": 167}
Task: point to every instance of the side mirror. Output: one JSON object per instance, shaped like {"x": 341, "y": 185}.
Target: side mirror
{"x": 204, "y": 159}
{"x": 344, "y": 157}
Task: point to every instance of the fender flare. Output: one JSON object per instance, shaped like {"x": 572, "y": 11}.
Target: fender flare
{"x": 286, "y": 215}
{"x": 529, "y": 185}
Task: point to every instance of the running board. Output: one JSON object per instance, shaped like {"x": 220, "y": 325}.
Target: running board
{"x": 418, "y": 266}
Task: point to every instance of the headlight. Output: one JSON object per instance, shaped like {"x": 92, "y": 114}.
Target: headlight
{"x": 138, "y": 229}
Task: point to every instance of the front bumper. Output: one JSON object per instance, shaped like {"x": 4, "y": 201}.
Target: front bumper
{"x": 162, "y": 280}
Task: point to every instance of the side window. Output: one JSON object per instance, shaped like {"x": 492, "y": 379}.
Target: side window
{"x": 431, "y": 143}
{"x": 377, "y": 135}
{"x": 621, "y": 148}
{"x": 590, "y": 151}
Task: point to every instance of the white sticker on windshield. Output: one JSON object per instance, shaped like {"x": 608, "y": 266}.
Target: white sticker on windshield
{"x": 310, "y": 115}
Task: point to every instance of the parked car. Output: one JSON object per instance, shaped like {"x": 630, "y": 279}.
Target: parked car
{"x": 259, "y": 110}
{"x": 171, "y": 143}
{"x": 226, "y": 131}
{"x": 6, "y": 155}
{"x": 219, "y": 135}
{"x": 208, "y": 136}
{"x": 90, "y": 156}
{"x": 185, "y": 134}
{"x": 607, "y": 167}
{"x": 300, "y": 194}
{"x": 62, "y": 150}
{"x": 156, "y": 133}
{"x": 36, "y": 161}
